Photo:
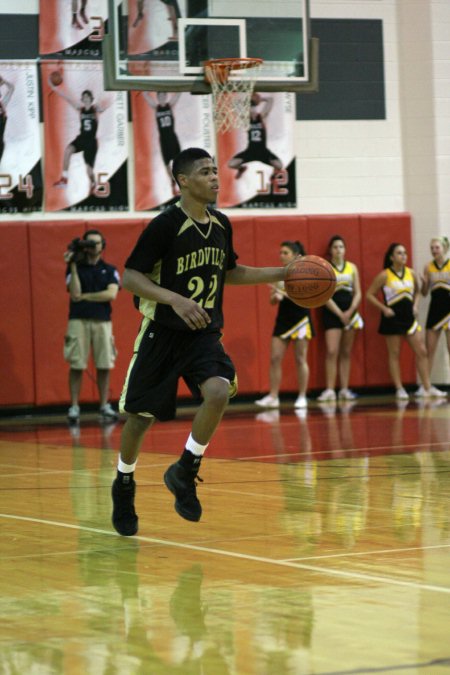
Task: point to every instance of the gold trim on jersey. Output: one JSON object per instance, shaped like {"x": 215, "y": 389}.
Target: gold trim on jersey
{"x": 439, "y": 277}
{"x": 345, "y": 278}
{"x": 398, "y": 288}
{"x": 148, "y": 307}
{"x": 190, "y": 222}
{"x": 415, "y": 328}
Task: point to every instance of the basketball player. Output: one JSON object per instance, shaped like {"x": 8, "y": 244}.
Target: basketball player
{"x": 436, "y": 280}
{"x": 83, "y": 17}
{"x": 86, "y": 141}
{"x": 399, "y": 312}
{"x": 177, "y": 273}
{"x": 293, "y": 325}
{"x": 169, "y": 143}
{"x": 340, "y": 321}
{"x": 172, "y": 9}
{"x": 4, "y": 100}
{"x": 256, "y": 150}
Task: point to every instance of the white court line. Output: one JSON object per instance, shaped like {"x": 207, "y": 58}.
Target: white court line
{"x": 352, "y": 576}
{"x": 365, "y": 553}
{"x": 367, "y": 449}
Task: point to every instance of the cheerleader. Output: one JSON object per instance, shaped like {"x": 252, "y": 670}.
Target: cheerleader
{"x": 340, "y": 321}
{"x": 292, "y": 325}
{"x": 399, "y": 312}
{"x": 436, "y": 280}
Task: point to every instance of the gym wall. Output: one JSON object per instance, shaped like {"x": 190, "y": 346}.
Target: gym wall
{"x": 34, "y": 302}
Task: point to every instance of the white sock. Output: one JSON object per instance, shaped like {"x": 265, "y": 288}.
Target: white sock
{"x": 125, "y": 468}
{"x": 194, "y": 447}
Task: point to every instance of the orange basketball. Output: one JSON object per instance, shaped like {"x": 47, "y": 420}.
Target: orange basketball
{"x": 310, "y": 281}
{"x": 56, "y": 78}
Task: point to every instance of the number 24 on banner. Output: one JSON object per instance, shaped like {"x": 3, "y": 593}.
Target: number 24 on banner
{"x": 24, "y": 185}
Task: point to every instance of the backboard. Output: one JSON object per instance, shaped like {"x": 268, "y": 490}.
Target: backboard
{"x": 161, "y": 45}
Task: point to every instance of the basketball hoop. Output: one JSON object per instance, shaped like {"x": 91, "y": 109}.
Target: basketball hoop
{"x": 232, "y": 82}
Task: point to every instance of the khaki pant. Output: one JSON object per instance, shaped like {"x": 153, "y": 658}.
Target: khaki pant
{"x": 84, "y": 334}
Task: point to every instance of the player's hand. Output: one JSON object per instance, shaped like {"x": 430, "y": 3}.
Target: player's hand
{"x": 346, "y": 317}
{"x": 191, "y": 312}
{"x": 68, "y": 256}
{"x": 388, "y": 312}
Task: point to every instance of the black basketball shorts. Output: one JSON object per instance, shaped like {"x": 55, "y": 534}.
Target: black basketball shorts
{"x": 163, "y": 355}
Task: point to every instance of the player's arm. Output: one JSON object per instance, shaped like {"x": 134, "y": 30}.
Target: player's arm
{"x": 425, "y": 279}
{"x": 174, "y": 99}
{"x": 109, "y": 294}
{"x": 416, "y": 300}
{"x": 243, "y": 275}
{"x": 71, "y": 101}
{"x": 150, "y": 100}
{"x": 190, "y": 311}
{"x": 268, "y": 103}
{"x": 10, "y": 87}
{"x": 371, "y": 294}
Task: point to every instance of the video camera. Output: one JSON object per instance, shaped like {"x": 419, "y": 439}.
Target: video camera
{"x": 80, "y": 247}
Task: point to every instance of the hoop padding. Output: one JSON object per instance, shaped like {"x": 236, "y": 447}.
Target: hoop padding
{"x": 232, "y": 82}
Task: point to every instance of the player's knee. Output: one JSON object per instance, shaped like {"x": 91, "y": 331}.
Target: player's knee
{"x": 138, "y": 424}
{"x": 216, "y": 392}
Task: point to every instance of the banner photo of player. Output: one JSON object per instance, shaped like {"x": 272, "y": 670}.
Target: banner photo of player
{"x": 165, "y": 123}
{"x": 72, "y": 28}
{"x": 20, "y": 148}
{"x": 86, "y": 139}
{"x": 257, "y": 166}
{"x": 153, "y": 27}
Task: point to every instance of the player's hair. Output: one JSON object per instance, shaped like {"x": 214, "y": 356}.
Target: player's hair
{"x": 89, "y": 93}
{"x": 444, "y": 242}
{"x": 184, "y": 161}
{"x": 335, "y": 237}
{"x": 295, "y": 246}
{"x": 88, "y": 232}
{"x": 387, "y": 262}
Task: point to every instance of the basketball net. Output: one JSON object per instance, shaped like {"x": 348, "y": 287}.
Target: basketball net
{"x": 232, "y": 83}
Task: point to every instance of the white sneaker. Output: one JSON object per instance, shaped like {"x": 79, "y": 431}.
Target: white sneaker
{"x": 327, "y": 395}
{"x": 437, "y": 393}
{"x": 73, "y": 414}
{"x": 301, "y": 402}
{"x": 268, "y": 402}
{"x": 401, "y": 394}
{"x": 347, "y": 395}
{"x": 107, "y": 413}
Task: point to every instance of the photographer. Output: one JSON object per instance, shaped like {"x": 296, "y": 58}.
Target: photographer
{"x": 92, "y": 284}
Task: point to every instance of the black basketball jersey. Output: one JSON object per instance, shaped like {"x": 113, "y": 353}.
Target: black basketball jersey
{"x": 257, "y": 132}
{"x": 88, "y": 122}
{"x": 188, "y": 258}
{"x": 164, "y": 119}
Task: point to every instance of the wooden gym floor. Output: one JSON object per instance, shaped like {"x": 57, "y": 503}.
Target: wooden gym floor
{"x": 324, "y": 547}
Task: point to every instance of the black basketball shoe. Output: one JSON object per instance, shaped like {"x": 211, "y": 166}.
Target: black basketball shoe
{"x": 181, "y": 483}
{"x": 124, "y": 518}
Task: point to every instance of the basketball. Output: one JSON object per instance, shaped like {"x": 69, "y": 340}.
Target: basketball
{"x": 56, "y": 78}
{"x": 310, "y": 281}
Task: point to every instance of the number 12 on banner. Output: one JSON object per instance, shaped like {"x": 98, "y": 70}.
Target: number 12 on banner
{"x": 25, "y": 184}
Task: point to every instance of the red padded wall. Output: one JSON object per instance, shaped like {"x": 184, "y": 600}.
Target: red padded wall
{"x": 240, "y": 311}
{"x": 270, "y": 231}
{"x": 16, "y": 331}
{"x": 50, "y": 307}
{"x": 378, "y": 231}
{"x": 321, "y": 229}
{"x": 34, "y": 302}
